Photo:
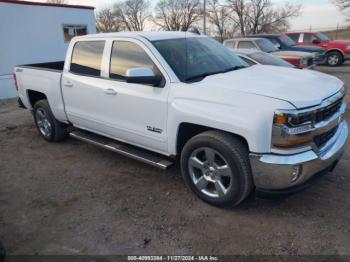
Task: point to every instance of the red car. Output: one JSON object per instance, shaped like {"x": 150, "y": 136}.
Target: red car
{"x": 338, "y": 51}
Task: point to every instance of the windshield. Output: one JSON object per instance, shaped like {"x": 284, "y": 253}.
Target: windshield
{"x": 286, "y": 40}
{"x": 266, "y": 45}
{"x": 268, "y": 59}
{"x": 194, "y": 58}
{"x": 323, "y": 37}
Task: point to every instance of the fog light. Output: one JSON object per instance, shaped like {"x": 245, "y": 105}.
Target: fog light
{"x": 296, "y": 172}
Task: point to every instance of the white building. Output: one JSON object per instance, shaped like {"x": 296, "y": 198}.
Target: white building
{"x": 32, "y": 32}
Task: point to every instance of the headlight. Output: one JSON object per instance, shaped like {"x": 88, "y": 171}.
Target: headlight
{"x": 291, "y": 129}
{"x": 295, "y": 130}
{"x": 303, "y": 61}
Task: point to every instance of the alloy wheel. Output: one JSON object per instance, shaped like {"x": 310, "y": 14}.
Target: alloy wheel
{"x": 210, "y": 172}
{"x": 333, "y": 60}
{"x": 43, "y": 122}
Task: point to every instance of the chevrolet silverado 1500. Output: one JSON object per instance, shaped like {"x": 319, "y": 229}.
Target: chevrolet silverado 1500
{"x": 162, "y": 95}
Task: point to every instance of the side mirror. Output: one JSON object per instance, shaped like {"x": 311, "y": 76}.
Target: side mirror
{"x": 316, "y": 41}
{"x": 142, "y": 75}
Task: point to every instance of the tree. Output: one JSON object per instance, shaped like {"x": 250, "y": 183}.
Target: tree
{"x": 133, "y": 14}
{"x": 61, "y": 2}
{"x": 177, "y": 15}
{"x": 108, "y": 21}
{"x": 219, "y": 17}
{"x": 343, "y": 5}
{"x": 260, "y": 16}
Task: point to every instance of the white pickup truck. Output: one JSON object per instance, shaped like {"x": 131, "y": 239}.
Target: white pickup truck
{"x": 160, "y": 96}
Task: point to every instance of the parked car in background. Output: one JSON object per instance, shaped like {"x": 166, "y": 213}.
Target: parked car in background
{"x": 257, "y": 57}
{"x": 299, "y": 59}
{"x": 285, "y": 43}
{"x": 338, "y": 51}
{"x": 162, "y": 96}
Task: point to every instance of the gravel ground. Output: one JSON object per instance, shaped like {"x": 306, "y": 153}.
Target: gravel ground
{"x": 75, "y": 198}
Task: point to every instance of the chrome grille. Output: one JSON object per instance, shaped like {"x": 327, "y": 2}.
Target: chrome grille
{"x": 324, "y": 113}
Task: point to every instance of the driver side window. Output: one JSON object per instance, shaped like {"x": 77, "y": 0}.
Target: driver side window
{"x": 126, "y": 55}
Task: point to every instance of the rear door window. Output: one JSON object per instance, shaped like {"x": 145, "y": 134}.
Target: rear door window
{"x": 295, "y": 37}
{"x": 230, "y": 43}
{"x": 246, "y": 45}
{"x": 87, "y": 58}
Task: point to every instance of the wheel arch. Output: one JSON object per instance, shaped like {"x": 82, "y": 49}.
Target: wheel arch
{"x": 336, "y": 50}
{"x": 35, "y": 96}
{"x": 188, "y": 130}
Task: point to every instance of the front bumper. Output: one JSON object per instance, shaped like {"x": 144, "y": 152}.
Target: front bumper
{"x": 346, "y": 57}
{"x": 277, "y": 172}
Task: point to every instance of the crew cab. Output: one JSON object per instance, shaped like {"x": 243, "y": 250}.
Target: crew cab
{"x": 301, "y": 60}
{"x": 285, "y": 43}
{"x": 159, "y": 97}
{"x": 338, "y": 51}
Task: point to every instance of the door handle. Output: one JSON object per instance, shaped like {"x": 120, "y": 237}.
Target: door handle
{"x": 110, "y": 91}
{"x": 68, "y": 84}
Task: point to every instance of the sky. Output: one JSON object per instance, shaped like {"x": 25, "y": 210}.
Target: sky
{"x": 317, "y": 14}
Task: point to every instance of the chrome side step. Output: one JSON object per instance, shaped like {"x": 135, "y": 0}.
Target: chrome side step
{"x": 140, "y": 154}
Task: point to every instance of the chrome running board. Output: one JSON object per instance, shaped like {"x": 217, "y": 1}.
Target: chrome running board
{"x": 136, "y": 153}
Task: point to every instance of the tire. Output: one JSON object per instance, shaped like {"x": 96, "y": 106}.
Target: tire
{"x": 48, "y": 126}
{"x": 222, "y": 180}
{"x": 334, "y": 58}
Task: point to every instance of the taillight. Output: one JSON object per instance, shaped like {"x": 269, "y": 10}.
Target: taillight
{"x": 15, "y": 79}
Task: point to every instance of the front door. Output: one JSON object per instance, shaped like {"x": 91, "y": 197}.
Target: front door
{"x": 138, "y": 112}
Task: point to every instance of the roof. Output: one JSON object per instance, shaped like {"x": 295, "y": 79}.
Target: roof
{"x": 151, "y": 36}
{"x": 246, "y": 39}
{"x": 263, "y": 35}
{"x": 18, "y": 2}
{"x": 245, "y": 51}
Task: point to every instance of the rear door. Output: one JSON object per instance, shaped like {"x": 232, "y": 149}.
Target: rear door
{"x": 82, "y": 88}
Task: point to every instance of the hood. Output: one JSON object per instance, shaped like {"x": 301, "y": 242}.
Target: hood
{"x": 292, "y": 53}
{"x": 308, "y": 48}
{"x": 302, "y": 88}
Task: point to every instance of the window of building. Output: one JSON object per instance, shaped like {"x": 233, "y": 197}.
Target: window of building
{"x": 127, "y": 55}
{"x": 70, "y": 31}
{"x": 87, "y": 58}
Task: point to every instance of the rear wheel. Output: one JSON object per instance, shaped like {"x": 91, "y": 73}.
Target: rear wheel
{"x": 48, "y": 126}
{"x": 216, "y": 167}
{"x": 334, "y": 58}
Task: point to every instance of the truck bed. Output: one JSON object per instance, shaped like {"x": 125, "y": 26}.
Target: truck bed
{"x": 44, "y": 78}
{"x": 50, "y": 66}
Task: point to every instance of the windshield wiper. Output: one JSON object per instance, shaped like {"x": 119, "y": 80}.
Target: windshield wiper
{"x": 204, "y": 75}
{"x": 201, "y": 76}
{"x": 232, "y": 69}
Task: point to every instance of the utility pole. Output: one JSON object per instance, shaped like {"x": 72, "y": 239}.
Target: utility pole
{"x": 205, "y": 17}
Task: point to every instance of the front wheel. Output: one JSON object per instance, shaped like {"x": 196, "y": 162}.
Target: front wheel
{"x": 216, "y": 167}
{"x": 48, "y": 126}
